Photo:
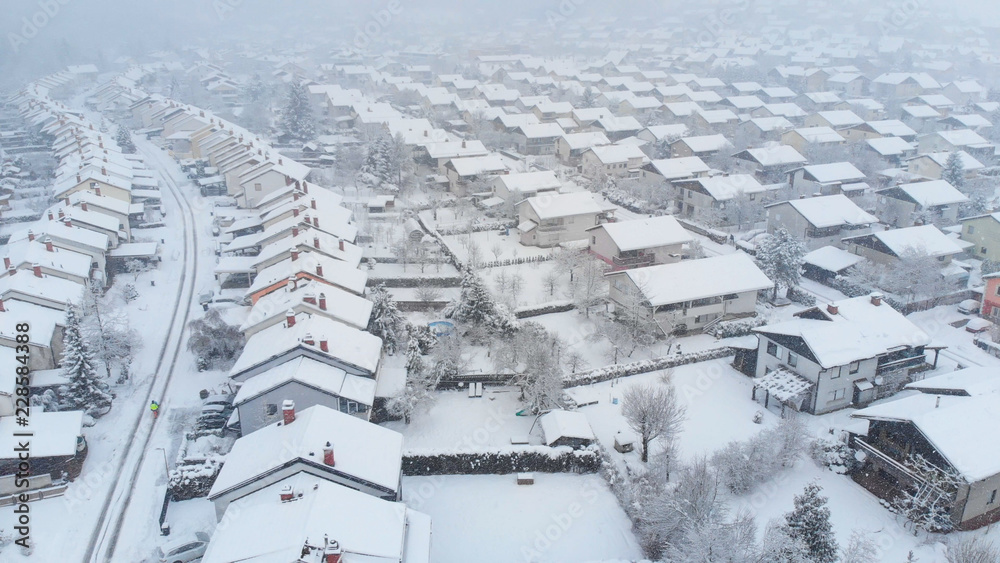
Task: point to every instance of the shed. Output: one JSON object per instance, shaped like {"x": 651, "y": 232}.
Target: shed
{"x": 566, "y": 428}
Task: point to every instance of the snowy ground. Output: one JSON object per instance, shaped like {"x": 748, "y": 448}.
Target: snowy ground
{"x": 559, "y": 518}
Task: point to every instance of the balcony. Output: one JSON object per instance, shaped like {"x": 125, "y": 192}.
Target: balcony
{"x": 632, "y": 261}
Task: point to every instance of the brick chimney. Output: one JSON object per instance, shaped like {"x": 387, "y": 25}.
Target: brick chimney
{"x": 341, "y": 245}
{"x": 51, "y": 216}
{"x": 312, "y": 203}
{"x": 305, "y": 187}
{"x": 876, "y": 299}
{"x": 286, "y": 494}
{"x": 37, "y": 270}
{"x": 289, "y": 318}
{"x": 295, "y": 233}
{"x": 309, "y": 298}
{"x": 324, "y": 345}
{"x": 2, "y": 310}
{"x": 316, "y": 222}
{"x": 295, "y": 252}
{"x": 322, "y": 302}
{"x": 11, "y": 270}
{"x": 316, "y": 242}
{"x": 295, "y": 195}
{"x": 48, "y": 245}
{"x": 61, "y": 214}
{"x": 104, "y": 171}
{"x": 332, "y": 553}
{"x": 97, "y": 190}
{"x": 31, "y": 235}
{"x": 83, "y": 205}
{"x": 308, "y": 340}
{"x": 295, "y": 212}
{"x": 328, "y": 458}
{"x": 79, "y": 179}
{"x": 832, "y": 309}
{"x": 319, "y": 270}
{"x": 65, "y": 201}
{"x": 288, "y": 411}
{"x": 6, "y": 263}
{"x": 279, "y": 161}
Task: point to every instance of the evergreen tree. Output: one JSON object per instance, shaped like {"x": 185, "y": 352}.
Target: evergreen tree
{"x": 475, "y": 305}
{"x": 809, "y": 523}
{"x": 780, "y": 257}
{"x": 124, "y": 140}
{"x": 297, "y": 120}
{"x": 85, "y": 390}
{"x": 418, "y": 384}
{"x": 379, "y": 169}
{"x": 386, "y": 320}
{"x": 954, "y": 170}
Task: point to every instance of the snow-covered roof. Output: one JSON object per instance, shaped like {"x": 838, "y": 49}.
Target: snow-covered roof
{"x": 334, "y": 271}
{"x": 474, "y": 165}
{"x": 310, "y": 373}
{"x": 860, "y": 330}
{"x": 61, "y": 260}
{"x": 362, "y": 450}
{"x": 681, "y": 167}
{"x": 706, "y": 143}
{"x": 821, "y": 134}
{"x": 921, "y": 111}
{"x": 668, "y": 131}
{"x": 54, "y": 434}
{"x": 831, "y": 211}
{"x": 553, "y": 206}
{"x": 783, "y": 384}
{"x": 925, "y": 239}
{"x": 49, "y": 288}
{"x": 968, "y": 381}
{"x": 841, "y": 118}
{"x": 585, "y": 140}
{"x": 723, "y": 188}
{"x": 565, "y": 424}
{"x": 834, "y": 172}
{"x": 260, "y": 527}
{"x": 831, "y": 258}
{"x": 530, "y": 181}
{"x": 932, "y": 193}
{"x": 541, "y": 130}
{"x": 645, "y": 233}
{"x": 962, "y": 137}
{"x": 616, "y": 154}
{"x": 768, "y": 124}
{"x": 341, "y": 305}
{"x": 892, "y": 127}
{"x": 697, "y": 279}
{"x": 776, "y": 155}
{"x": 890, "y": 146}
{"x": 941, "y": 159}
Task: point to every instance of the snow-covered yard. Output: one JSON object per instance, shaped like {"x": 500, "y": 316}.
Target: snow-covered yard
{"x": 489, "y": 518}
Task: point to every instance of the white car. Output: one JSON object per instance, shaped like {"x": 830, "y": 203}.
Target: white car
{"x": 184, "y": 549}
{"x": 978, "y": 325}
{"x": 968, "y": 307}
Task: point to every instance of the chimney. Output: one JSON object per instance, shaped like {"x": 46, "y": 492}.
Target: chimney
{"x": 308, "y": 340}
{"x": 341, "y": 245}
{"x": 316, "y": 222}
{"x": 79, "y": 179}
{"x": 37, "y": 270}
{"x": 305, "y": 187}
{"x": 294, "y": 282}
{"x": 11, "y": 270}
{"x": 48, "y": 245}
{"x": 319, "y": 270}
{"x": 332, "y": 553}
{"x": 295, "y": 233}
{"x": 316, "y": 242}
{"x": 328, "y": 455}
{"x": 288, "y": 411}
{"x": 463, "y": 144}
{"x": 51, "y": 216}
{"x": 324, "y": 345}
{"x": 66, "y": 201}
{"x": 426, "y": 134}
{"x": 312, "y": 203}
{"x": 295, "y": 253}
{"x": 286, "y": 494}
{"x": 832, "y": 309}
{"x": 289, "y": 318}
{"x": 104, "y": 171}
{"x": 2, "y": 310}
{"x": 97, "y": 191}
{"x": 295, "y": 195}
{"x": 6, "y": 263}
{"x": 31, "y": 235}
{"x": 308, "y": 219}
{"x": 876, "y": 299}
{"x": 322, "y": 302}
{"x": 295, "y": 212}
{"x": 83, "y": 205}
{"x": 310, "y": 298}
{"x": 937, "y": 403}
{"x": 61, "y": 214}
{"x": 279, "y": 161}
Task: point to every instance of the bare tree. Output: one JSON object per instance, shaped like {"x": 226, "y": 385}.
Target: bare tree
{"x": 427, "y": 293}
{"x": 972, "y": 549}
{"x": 497, "y": 250}
{"x": 551, "y": 282}
{"x": 575, "y": 361}
{"x": 653, "y": 411}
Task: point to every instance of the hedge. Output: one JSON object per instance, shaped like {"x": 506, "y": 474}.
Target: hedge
{"x": 478, "y": 228}
{"x": 194, "y": 481}
{"x": 542, "y": 459}
{"x": 737, "y": 327}
{"x": 608, "y": 373}
{"x": 423, "y": 281}
{"x": 516, "y": 261}
{"x": 558, "y": 307}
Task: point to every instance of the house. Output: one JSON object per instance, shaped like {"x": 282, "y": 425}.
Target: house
{"x": 932, "y": 165}
{"x": 659, "y": 133}
{"x": 64, "y": 235}
{"x": 318, "y": 441}
{"x": 441, "y": 153}
{"x": 983, "y": 231}
{"x": 886, "y": 247}
{"x": 698, "y": 196}
{"x": 903, "y": 84}
{"x": 670, "y": 169}
{"x": 836, "y": 119}
{"x": 954, "y": 140}
{"x": 806, "y": 137}
{"x": 307, "y": 266}
{"x": 47, "y": 291}
{"x": 516, "y": 187}
{"x": 310, "y": 298}
{"x": 537, "y": 139}
{"x": 935, "y": 201}
{"x": 618, "y": 128}
{"x": 639, "y": 242}
{"x": 466, "y": 173}
{"x": 972, "y": 121}
{"x": 623, "y": 161}
{"x": 566, "y": 428}
{"x": 819, "y": 221}
{"x": 571, "y": 146}
{"x": 553, "y": 219}
{"x": 825, "y": 179}
{"x": 44, "y": 258}
{"x": 828, "y": 262}
{"x": 848, "y": 352}
{"x": 767, "y": 127}
{"x": 292, "y": 521}
{"x": 965, "y": 92}
{"x": 770, "y": 162}
{"x": 894, "y": 150}
{"x": 701, "y": 146}
{"x": 692, "y": 294}
{"x": 354, "y": 351}
{"x": 58, "y": 448}
{"x": 991, "y": 296}
{"x": 943, "y": 429}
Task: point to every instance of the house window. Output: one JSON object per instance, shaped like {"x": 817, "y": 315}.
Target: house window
{"x": 793, "y": 360}
{"x": 855, "y": 367}
{"x": 772, "y": 349}
{"x": 687, "y": 194}
{"x": 993, "y": 497}
{"x": 257, "y": 187}
{"x": 982, "y": 250}
{"x": 971, "y": 229}
{"x": 837, "y": 395}
{"x": 753, "y": 197}
{"x": 593, "y": 240}
{"x": 270, "y": 409}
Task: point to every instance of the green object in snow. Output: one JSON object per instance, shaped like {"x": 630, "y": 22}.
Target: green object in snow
{"x": 522, "y": 412}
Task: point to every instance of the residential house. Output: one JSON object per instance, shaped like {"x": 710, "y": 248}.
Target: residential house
{"x": 623, "y": 161}
{"x": 991, "y": 296}
{"x": 836, "y": 120}
{"x": 701, "y": 146}
{"x": 848, "y": 352}
{"x": 932, "y": 165}
{"x": 955, "y": 140}
{"x": 903, "y": 84}
{"x": 887, "y": 247}
{"x": 571, "y": 146}
{"x": 692, "y": 294}
{"x": 828, "y": 262}
{"x": 553, "y": 219}
{"x": 307, "y": 266}
{"x": 771, "y": 162}
{"x": 917, "y": 203}
{"x": 45, "y": 339}
{"x": 519, "y": 186}
{"x": 473, "y": 172}
{"x": 537, "y": 139}
{"x": 895, "y": 150}
{"x": 671, "y": 169}
{"x": 566, "y": 428}
{"x": 819, "y": 221}
{"x": 824, "y": 179}
{"x": 697, "y": 197}
{"x": 639, "y": 242}
{"x": 806, "y": 137}
{"x": 58, "y": 447}
{"x": 983, "y": 231}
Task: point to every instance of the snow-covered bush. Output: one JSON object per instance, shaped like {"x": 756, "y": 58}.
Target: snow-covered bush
{"x": 801, "y": 297}
{"x": 833, "y": 453}
{"x": 214, "y": 342}
{"x": 193, "y": 481}
{"x": 608, "y": 373}
{"x": 744, "y": 465}
{"x": 736, "y": 327}
{"x": 502, "y": 461}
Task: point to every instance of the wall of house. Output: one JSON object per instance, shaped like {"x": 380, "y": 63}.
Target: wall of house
{"x": 253, "y": 413}
{"x": 106, "y": 189}
{"x": 978, "y": 510}
{"x": 690, "y": 203}
{"x": 985, "y": 234}
{"x": 896, "y": 212}
{"x": 259, "y": 187}
{"x": 991, "y": 298}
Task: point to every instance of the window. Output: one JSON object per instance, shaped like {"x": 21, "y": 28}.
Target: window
{"x": 270, "y": 409}
{"x": 855, "y": 367}
{"x": 753, "y": 197}
{"x": 687, "y": 194}
{"x": 971, "y": 229}
{"x": 593, "y": 240}
{"x": 993, "y": 497}
{"x": 834, "y": 373}
{"x": 257, "y": 187}
{"x": 837, "y": 395}
{"x": 772, "y": 349}
{"x": 982, "y": 250}
{"x": 793, "y": 360}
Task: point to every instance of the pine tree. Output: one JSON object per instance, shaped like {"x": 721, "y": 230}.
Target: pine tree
{"x": 297, "y": 120}
{"x": 414, "y": 359}
{"x": 475, "y": 305}
{"x": 418, "y": 384}
{"x": 780, "y": 257}
{"x": 809, "y": 522}
{"x": 382, "y": 165}
{"x": 954, "y": 170}
{"x": 124, "y": 140}
{"x": 85, "y": 390}
{"x": 386, "y": 320}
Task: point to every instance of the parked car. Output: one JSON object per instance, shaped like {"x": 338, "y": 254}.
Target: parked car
{"x": 978, "y": 325}
{"x": 968, "y": 307}
{"x": 184, "y": 549}
{"x": 214, "y": 416}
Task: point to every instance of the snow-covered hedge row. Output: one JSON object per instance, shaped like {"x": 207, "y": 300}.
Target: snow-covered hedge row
{"x": 515, "y": 261}
{"x": 500, "y": 461}
{"x": 422, "y": 281}
{"x": 608, "y": 373}
{"x": 477, "y": 228}
{"x": 193, "y": 481}
{"x": 834, "y": 453}
{"x": 714, "y": 234}
{"x": 737, "y": 327}
{"x": 622, "y": 198}
{"x": 800, "y": 296}
{"x": 557, "y": 307}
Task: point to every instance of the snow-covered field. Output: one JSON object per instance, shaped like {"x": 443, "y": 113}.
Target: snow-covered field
{"x": 490, "y": 518}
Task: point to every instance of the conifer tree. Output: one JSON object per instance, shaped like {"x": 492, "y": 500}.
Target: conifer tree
{"x": 297, "y": 120}
{"x": 809, "y": 522}
{"x": 85, "y": 391}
